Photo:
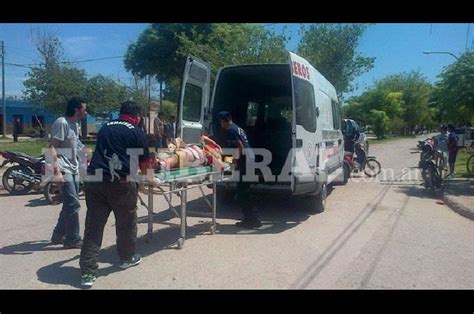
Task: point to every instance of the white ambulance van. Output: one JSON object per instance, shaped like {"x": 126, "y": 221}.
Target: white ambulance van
{"x": 288, "y": 109}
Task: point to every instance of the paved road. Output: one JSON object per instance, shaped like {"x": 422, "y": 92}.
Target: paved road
{"x": 387, "y": 233}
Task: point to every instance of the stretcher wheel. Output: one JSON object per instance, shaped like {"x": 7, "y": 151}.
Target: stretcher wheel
{"x": 180, "y": 243}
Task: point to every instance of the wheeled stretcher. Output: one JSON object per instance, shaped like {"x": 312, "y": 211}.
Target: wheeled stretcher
{"x": 179, "y": 182}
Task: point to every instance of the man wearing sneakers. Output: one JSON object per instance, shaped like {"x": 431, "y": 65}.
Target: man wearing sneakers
{"x": 236, "y": 138}
{"x": 65, "y": 148}
{"x": 112, "y": 186}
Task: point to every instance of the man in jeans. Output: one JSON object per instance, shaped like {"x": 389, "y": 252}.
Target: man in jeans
{"x": 112, "y": 186}
{"x": 65, "y": 147}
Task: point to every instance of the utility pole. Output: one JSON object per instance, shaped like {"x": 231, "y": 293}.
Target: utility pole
{"x": 467, "y": 36}
{"x": 161, "y": 94}
{"x": 4, "y": 122}
{"x": 149, "y": 104}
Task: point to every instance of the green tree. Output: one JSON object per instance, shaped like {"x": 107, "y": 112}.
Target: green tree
{"x": 230, "y": 44}
{"x": 331, "y": 49}
{"x": 155, "y": 51}
{"x": 454, "y": 92}
{"x": 104, "y": 95}
{"x": 379, "y": 122}
{"x": 51, "y": 88}
{"x": 53, "y": 82}
{"x": 404, "y": 98}
{"x": 169, "y": 108}
{"x": 162, "y": 49}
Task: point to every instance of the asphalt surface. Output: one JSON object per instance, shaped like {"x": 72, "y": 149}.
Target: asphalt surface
{"x": 375, "y": 234}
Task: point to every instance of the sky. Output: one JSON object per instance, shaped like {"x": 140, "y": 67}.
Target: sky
{"x": 396, "y": 47}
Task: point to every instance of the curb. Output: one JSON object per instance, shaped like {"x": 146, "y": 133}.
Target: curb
{"x": 458, "y": 208}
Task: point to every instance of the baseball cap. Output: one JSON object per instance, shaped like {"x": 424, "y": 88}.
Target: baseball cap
{"x": 223, "y": 115}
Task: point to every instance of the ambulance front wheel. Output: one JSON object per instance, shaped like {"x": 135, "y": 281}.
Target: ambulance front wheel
{"x": 320, "y": 205}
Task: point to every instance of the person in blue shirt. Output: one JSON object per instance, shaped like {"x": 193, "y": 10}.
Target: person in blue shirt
{"x": 237, "y": 138}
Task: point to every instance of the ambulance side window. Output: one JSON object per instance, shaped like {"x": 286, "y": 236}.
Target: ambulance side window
{"x": 192, "y": 103}
{"x": 305, "y": 104}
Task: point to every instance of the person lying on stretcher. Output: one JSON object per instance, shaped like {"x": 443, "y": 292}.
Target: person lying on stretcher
{"x": 180, "y": 155}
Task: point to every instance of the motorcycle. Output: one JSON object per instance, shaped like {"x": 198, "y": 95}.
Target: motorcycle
{"x": 369, "y": 164}
{"x": 52, "y": 191}
{"x": 431, "y": 165}
{"x": 26, "y": 173}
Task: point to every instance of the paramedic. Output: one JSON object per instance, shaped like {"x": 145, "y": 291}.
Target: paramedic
{"x": 236, "y": 138}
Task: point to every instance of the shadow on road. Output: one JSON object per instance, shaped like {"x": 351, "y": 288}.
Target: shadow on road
{"x": 28, "y": 247}
{"x": 418, "y": 191}
{"x": 59, "y": 274}
{"x": 37, "y": 202}
{"x": 277, "y": 213}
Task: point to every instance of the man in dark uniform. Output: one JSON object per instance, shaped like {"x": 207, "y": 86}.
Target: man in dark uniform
{"x": 116, "y": 191}
{"x": 236, "y": 138}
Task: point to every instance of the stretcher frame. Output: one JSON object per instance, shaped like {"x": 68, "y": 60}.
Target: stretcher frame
{"x": 180, "y": 187}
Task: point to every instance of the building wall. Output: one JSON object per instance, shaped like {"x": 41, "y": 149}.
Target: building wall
{"x": 26, "y": 113}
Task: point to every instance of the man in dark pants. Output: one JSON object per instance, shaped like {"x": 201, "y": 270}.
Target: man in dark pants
{"x": 236, "y": 138}
{"x": 119, "y": 143}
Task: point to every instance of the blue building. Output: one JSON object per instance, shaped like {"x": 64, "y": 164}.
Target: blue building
{"x": 32, "y": 117}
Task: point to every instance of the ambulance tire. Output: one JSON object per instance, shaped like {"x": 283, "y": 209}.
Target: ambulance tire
{"x": 320, "y": 205}
{"x": 315, "y": 204}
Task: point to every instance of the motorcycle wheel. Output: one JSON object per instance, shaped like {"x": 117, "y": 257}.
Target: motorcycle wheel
{"x": 372, "y": 168}
{"x": 52, "y": 193}
{"x": 17, "y": 186}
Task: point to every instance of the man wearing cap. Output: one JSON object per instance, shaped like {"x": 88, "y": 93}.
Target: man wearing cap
{"x": 236, "y": 138}
{"x": 121, "y": 149}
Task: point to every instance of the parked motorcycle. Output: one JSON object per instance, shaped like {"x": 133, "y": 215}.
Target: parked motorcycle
{"x": 369, "y": 164}
{"x": 26, "y": 173}
{"x": 431, "y": 165}
{"x": 52, "y": 191}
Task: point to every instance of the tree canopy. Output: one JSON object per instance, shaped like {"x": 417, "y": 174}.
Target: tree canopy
{"x": 454, "y": 92}
{"x": 162, "y": 49}
{"x": 50, "y": 84}
{"x": 404, "y": 98}
{"x": 331, "y": 49}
